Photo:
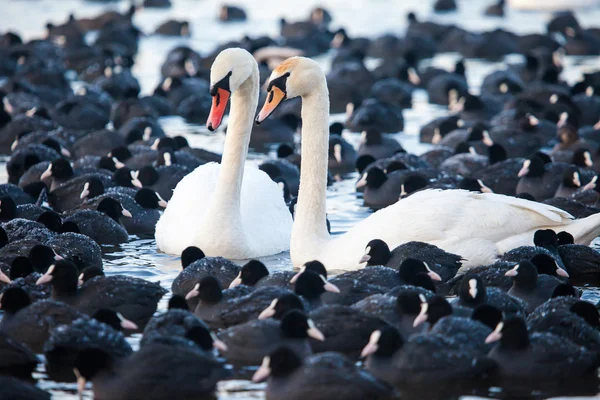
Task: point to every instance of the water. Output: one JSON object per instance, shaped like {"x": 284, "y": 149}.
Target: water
{"x": 368, "y": 18}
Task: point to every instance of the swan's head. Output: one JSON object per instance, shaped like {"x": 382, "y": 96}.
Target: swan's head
{"x": 296, "y": 76}
{"x": 229, "y": 71}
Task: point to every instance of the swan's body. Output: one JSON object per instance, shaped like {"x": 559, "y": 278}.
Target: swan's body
{"x": 212, "y": 207}
{"x": 479, "y": 227}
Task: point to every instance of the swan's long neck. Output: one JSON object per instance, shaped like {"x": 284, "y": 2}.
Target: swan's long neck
{"x": 241, "y": 118}
{"x": 310, "y": 220}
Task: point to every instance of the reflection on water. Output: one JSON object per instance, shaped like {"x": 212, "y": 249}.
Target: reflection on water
{"x": 139, "y": 257}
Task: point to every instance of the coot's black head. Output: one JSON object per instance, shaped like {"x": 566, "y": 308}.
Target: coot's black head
{"x": 3, "y": 237}
{"x": 113, "y": 209}
{"x": 63, "y": 276}
{"x": 20, "y": 268}
{"x": 8, "y": 208}
{"x": 462, "y": 148}
{"x": 114, "y": 319}
{"x": 69, "y": 226}
{"x": 362, "y": 162}
{"x": 109, "y": 164}
{"x": 395, "y": 166}
{"x": 433, "y": 310}
{"x": 413, "y": 183}
{"x": 190, "y": 255}
{"x": 547, "y": 265}
{"x": 166, "y": 156}
{"x": 409, "y": 302}
{"x": 564, "y": 290}
{"x": 59, "y": 169}
{"x": 472, "y": 291}
{"x": 311, "y": 285}
{"x": 168, "y": 143}
{"x": 582, "y": 158}
{"x": 512, "y": 334}
{"x": 88, "y": 363}
{"x": 279, "y": 364}
{"x": 148, "y": 175}
{"x": 281, "y": 305}
{"x": 564, "y": 238}
{"x": 470, "y": 184}
{"x": 54, "y": 145}
{"x": 252, "y": 272}
{"x": 375, "y": 178}
{"x": 533, "y": 168}
{"x": 497, "y": 153}
{"x": 92, "y": 188}
{"x": 588, "y": 312}
{"x": 41, "y": 257}
{"x": 51, "y": 220}
{"x": 202, "y": 337}
{"x": 377, "y": 252}
{"x": 208, "y": 289}
{"x": 487, "y": 315}
{"x": 284, "y": 150}
{"x": 383, "y": 343}
{"x": 178, "y": 303}
{"x": 126, "y": 178}
{"x": 545, "y": 238}
{"x": 411, "y": 268}
{"x": 571, "y": 178}
{"x": 336, "y": 128}
{"x": 121, "y": 153}
{"x": 89, "y": 273}
{"x": 524, "y": 275}
{"x": 148, "y": 198}
{"x": 315, "y": 266}
{"x": 295, "y": 324}
{"x": 14, "y": 299}
{"x": 476, "y": 132}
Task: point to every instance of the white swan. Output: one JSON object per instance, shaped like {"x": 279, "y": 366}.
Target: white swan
{"x": 477, "y": 226}
{"x": 228, "y": 210}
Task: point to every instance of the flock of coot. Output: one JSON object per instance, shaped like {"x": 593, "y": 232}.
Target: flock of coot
{"x": 468, "y": 272}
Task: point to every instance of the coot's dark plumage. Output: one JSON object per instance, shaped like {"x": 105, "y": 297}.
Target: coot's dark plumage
{"x": 32, "y": 324}
{"x": 473, "y": 292}
{"x": 319, "y": 377}
{"x": 134, "y": 298}
{"x": 102, "y": 225}
{"x": 196, "y": 266}
{"x": 530, "y": 287}
{"x": 445, "y": 264}
{"x": 579, "y": 323}
{"x": 158, "y": 370}
{"x": 15, "y": 358}
{"x": 422, "y": 359}
{"x": 538, "y": 356}
{"x": 248, "y": 343}
{"x": 399, "y": 311}
{"x": 346, "y": 329}
{"x": 100, "y": 332}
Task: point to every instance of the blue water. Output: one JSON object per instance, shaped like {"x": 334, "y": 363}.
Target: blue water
{"x": 368, "y": 18}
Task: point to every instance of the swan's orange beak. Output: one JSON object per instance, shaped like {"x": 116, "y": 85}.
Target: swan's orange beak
{"x": 275, "y": 97}
{"x": 217, "y": 110}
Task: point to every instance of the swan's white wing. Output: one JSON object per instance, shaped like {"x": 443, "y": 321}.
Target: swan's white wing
{"x": 466, "y": 223}
{"x": 177, "y": 226}
{"x": 266, "y": 218}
